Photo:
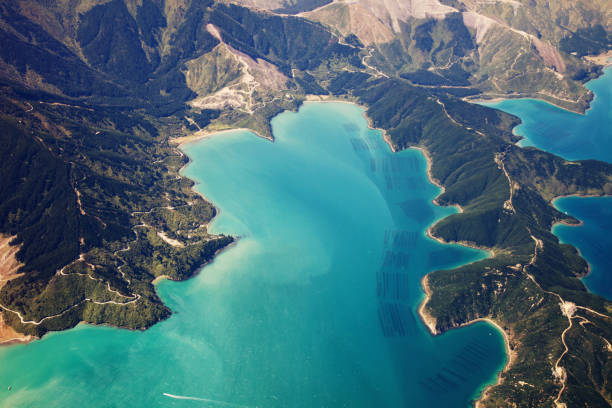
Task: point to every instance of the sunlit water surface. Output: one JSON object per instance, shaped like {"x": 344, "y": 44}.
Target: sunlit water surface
{"x": 316, "y": 305}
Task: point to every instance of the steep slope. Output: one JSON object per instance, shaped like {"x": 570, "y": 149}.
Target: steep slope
{"x": 353, "y": 18}
{"x": 529, "y": 286}
{"x": 376, "y": 21}
{"x": 100, "y": 210}
{"x": 94, "y": 92}
{"x": 409, "y": 38}
{"x": 543, "y": 19}
{"x": 282, "y": 6}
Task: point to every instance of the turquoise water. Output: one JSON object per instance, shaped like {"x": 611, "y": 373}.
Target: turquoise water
{"x": 574, "y": 137}
{"x": 316, "y": 305}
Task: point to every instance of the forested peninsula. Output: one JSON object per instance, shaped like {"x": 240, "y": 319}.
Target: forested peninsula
{"x": 93, "y": 207}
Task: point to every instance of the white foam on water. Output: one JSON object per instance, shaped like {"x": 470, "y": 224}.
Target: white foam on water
{"x": 211, "y": 401}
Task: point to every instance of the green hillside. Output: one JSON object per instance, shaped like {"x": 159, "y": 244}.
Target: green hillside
{"x": 94, "y": 92}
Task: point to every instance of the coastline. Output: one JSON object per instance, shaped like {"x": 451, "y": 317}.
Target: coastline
{"x": 552, "y": 201}
{"x": 430, "y": 322}
{"x": 579, "y": 224}
{"x": 235, "y": 240}
{"x": 434, "y": 181}
{"x": 9, "y": 269}
{"x": 180, "y": 151}
{"x": 510, "y": 357}
{"x": 160, "y": 278}
{"x": 332, "y": 99}
{"x": 385, "y": 135}
{"x": 427, "y": 319}
{"x": 484, "y": 99}
{"x": 604, "y": 59}
{"x": 203, "y": 134}
{"x": 10, "y": 337}
{"x": 468, "y": 244}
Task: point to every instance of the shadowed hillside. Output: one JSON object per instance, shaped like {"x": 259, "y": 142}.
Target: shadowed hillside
{"x": 93, "y": 207}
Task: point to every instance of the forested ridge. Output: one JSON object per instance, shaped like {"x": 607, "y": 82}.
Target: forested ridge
{"x": 92, "y": 193}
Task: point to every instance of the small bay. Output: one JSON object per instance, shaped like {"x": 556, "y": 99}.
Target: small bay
{"x": 577, "y": 137}
{"x": 592, "y": 238}
{"x": 316, "y": 304}
{"x": 564, "y": 133}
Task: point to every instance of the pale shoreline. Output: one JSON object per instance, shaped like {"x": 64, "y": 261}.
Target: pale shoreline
{"x": 496, "y": 99}
{"x": 10, "y": 337}
{"x": 430, "y": 323}
{"x": 331, "y": 99}
{"x": 428, "y": 320}
{"x": 160, "y": 278}
{"x": 580, "y": 224}
{"x": 604, "y": 59}
{"x": 435, "y": 182}
{"x": 203, "y": 196}
{"x": 510, "y": 357}
{"x": 203, "y": 134}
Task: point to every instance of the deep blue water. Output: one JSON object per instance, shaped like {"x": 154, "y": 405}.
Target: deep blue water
{"x": 593, "y": 238}
{"x": 575, "y": 137}
{"x": 567, "y": 134}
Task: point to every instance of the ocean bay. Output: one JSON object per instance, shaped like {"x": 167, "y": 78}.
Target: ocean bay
{"x": 316, "y": 305}
{"x": 564, "y": 133}
{"x": 576, "y": 137}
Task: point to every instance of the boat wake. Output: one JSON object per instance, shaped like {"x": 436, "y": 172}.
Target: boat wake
{"x": 210, "y": 401}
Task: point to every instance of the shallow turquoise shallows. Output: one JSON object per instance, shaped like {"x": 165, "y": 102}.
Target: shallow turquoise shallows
{"x": 314, "y": 307}
{"x": 573, "y": 137}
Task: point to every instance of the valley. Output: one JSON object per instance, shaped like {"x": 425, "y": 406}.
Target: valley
{"x": 96, "y": 95}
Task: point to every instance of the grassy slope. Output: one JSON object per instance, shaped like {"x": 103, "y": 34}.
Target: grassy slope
{"x": 96, "y": 123}
{"x": 504, "y": 61}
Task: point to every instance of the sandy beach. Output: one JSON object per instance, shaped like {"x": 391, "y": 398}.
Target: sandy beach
{"x": 9, "y": 265}
{"x": 160, "y": 278}
{"x": 604, "y": 59}
{"x": 432, "y": 179}
{"x": 428, "y": 319}
{"x": 484, "y": 98}
{"x": 8, "y": 335}
{"x": 204, "y": 133}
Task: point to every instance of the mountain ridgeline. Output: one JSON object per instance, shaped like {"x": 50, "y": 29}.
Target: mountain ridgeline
{"x": 94, "y": 92}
